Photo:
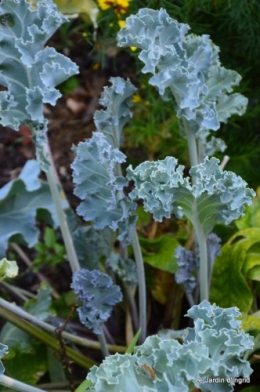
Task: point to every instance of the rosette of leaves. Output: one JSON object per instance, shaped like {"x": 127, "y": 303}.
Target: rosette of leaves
{"x": 213, "y": 348}
{"x": 29, "y": 70}
{"x": 184, "y": 66}
{"x": 217, "y": 195}
{"x": 97, "y": 295}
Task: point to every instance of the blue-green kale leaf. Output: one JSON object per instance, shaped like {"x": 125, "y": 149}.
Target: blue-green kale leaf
{"x": 104, "y": 202}
{"x": 97, "y": 294}
{"x": 29, "y": 70}
{"x": 216, "y": 196}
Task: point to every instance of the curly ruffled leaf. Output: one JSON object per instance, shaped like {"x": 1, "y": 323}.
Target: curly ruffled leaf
{"x": 220, "y": 331}
{"x": 213, "y": 348}
{"x": 29, "y": 70}
{"x": 117, "y": 100}
{"x": 217, "y": 196}
{"x": 104, "y": 202}
{"x": 188, "y": 65}
{"x": 124, "y": 268}
{"x": 98, "y": 295}
{"x": 187, "y": 262}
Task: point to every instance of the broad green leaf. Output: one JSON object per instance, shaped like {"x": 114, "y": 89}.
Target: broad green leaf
{"x": 28, "y": 368}
{"x": 251, "y": 267}
{"x": 251, "y": 216}
{"x": 19, "y": 341}
{"x": 16, "y": 340}
{"x": 251, "y": 322}
{"x": 237, "y": 262}
{"x": 159, "y": 252}
{"x": 27, "y": 359}
{"x": 20, "y": 200}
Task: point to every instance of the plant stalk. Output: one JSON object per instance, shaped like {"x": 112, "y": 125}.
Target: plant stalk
{"x": 49, "y": 328}
{"x": 103, "y": 344}
{"x": 203, "y": 254}
{"x": 141, "y": 286}
{"x": 17, "y": 385}
{"x": 58, "y": 195}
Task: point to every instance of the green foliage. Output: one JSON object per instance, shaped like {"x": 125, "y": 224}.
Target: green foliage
{"x": 49, "y": 252}
{"x": 159, "y": 252}
{"x": 133, "y": 343}
{"x": 20, "y": 362}
{"x": 251, "y": 217}
{"x": 20, "y": 201}
{"x": 237, "y": 266}
{"x": 156, "y": 131}
{"x": 188, "y": 66}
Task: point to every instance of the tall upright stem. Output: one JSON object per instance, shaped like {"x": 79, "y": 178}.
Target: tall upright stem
{"x": 203, "y": 255}
{"x": 192, "y": 144}
{"x": 141, "y": 286}
{"x": 199, "y": 233}
{"x": 56, "y": 192}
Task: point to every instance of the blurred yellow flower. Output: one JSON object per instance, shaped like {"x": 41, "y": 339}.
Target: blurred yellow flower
{"x": 120, "y": 6}
{"x": 122, "y": 25}
{"x": 136, "y": 98}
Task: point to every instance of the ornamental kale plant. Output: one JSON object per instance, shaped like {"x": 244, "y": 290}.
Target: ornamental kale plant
{"x": 186, "y": 69}
{"x": 211, "y": 350}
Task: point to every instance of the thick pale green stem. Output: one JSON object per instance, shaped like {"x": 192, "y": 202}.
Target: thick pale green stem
{"x": 103, "y": 344}
{"x": 199, "y": 233}
{"x": 141, "y": 286}
{"x": 56, "y": 192}
{"x": 192, "y": 144}
{"x": 203, "y": 255}
{"x": 17, "y": 385}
